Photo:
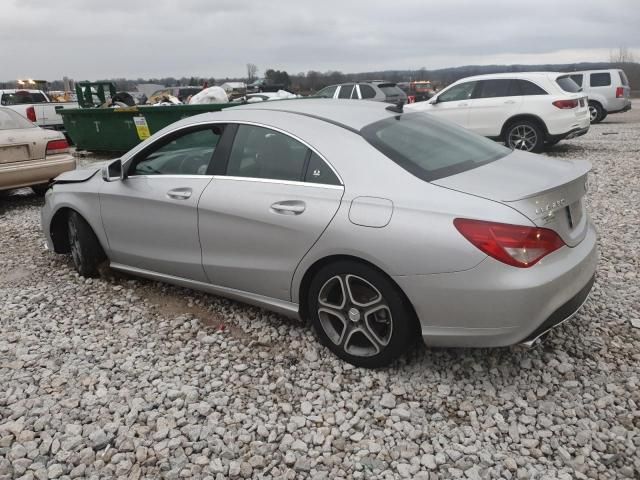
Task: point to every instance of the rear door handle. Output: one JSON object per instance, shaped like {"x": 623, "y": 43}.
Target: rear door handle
{"x": 289, "y": 207}
{"x": 510, "y": 102}
{"x": 179, "y": 193}
{"x": 463, "y": 104}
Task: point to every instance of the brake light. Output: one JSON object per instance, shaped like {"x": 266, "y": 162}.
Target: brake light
{"x": 619, "y": 92}
{"x": 564, "y": 104}
{"x": 516, "y": 245}
{"x": 55, "y": 147}
{"x": 31, "y": 114}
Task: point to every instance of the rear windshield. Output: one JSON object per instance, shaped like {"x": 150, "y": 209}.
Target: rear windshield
{"x": 623, "y": 78}
{"x": 390, "y": 89}
{"x": 430, "y": 148}
{"x": 10, "y": 120}
{"x": 567, "y": 84}
{"x": 22, "y": 97}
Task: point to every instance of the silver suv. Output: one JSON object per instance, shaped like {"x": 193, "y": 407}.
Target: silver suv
{"x": 376, "y": 90}
{"x": 608, "y": 91}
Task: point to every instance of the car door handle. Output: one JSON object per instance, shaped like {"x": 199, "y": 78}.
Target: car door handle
{"x": 289, "y": 207}
{"x": 463, "y": 104}
{"x": 510, "y": 102}
{"x": 179, "y": 193}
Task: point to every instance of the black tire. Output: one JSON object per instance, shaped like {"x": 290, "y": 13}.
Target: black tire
{"x": 40, "y": 190}
{"x": 551, "y": 143}
{"x": 604, "y": 115}
{"x": 524, "y": 135}
{"x": 86, "y": 251}
{"x": 596, "y": 112}
{"x": 370, "y": 335}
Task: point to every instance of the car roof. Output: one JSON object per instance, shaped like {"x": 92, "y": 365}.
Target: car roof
{"x": 489, "y": 76}
{"x": 350, "y": 114}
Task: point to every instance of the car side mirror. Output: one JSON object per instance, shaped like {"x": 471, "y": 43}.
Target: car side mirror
{"x": 113, "y": 171}
{"x": 433, "y": 100}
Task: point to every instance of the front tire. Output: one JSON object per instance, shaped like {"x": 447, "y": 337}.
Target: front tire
{"x": 360, "y": 314}
{"x": 86, "y": 251}
{"x": 524, "y": 135}
{"x": 596, "y": 112}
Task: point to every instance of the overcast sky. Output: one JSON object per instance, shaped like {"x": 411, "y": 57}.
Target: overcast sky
{"x": 91, "y": 39}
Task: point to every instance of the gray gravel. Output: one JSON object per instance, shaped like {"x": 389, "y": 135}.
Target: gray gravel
{"x": 121, "y": 377}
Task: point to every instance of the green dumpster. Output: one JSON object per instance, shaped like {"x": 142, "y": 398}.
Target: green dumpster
{"x": 121, "y": 129}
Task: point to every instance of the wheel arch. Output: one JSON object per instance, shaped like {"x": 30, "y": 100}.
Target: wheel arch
{"x": 60, "y": 233}
{"x": 524, "y": 116}
{"x": 305, "y": 284}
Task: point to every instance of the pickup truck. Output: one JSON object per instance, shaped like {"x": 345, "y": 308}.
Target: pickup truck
{"x": 36, "y": 106}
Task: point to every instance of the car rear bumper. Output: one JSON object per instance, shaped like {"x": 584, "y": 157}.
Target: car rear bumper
{"x": 494, "y": 305}
{"x": 573, "y": 133}
{"x": 34, "y": 172}
{"x": 626, "y": 108}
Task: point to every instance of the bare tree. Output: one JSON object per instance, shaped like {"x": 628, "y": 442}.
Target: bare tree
{"x": 252, "y": 71}
{"x": 621, "y": 56}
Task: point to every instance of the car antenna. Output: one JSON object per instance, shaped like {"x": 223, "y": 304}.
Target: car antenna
{"x": 397, "y": 108}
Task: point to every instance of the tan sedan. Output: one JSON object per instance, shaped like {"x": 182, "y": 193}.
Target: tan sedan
{"x": 30, "y": 156}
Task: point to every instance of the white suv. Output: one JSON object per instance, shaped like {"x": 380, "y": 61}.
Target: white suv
{"x": 608, "y": 91}
{"x": 524, "y": 110}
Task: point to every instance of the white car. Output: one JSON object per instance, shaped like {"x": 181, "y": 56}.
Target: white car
{"x": 608, "y": 91}
{"x": 525, "y": 110}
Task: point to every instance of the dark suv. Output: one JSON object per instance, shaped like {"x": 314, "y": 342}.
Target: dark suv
{"x": 375, "y": 90}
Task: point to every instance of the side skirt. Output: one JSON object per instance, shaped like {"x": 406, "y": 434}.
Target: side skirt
{"x": 288, "y": 309}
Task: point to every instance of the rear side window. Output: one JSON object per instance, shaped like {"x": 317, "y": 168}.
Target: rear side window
{"x": 567, "y": 84}
{"x": 493, "y": 88}
{"x": 429, "y": 148}
{"x": 260, "y": 152}
{"x": 319, "y": 172}
{"x": 345, "y": 91}
{"x": 366, "y": 91}
{"x": 623, "y": 78}
{"x": 600, "y": 79}
{"x": 391, "y": 89}
{"x": 22, "y": 97}
{"x": 528, "y": 88}
{"x": 577, "y": 79}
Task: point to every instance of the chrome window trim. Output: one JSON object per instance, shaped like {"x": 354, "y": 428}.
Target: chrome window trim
{"x": 140, "y": 146}
{"x": 281, "y": 182}
{"x": 172, "y": 175}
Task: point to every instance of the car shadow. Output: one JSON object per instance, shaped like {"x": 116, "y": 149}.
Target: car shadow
{"x": 22, "y": 197}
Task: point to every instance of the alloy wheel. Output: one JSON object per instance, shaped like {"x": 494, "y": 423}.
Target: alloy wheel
{"x": 354, "y": 315}
{"x": 523, "y": 137}
{"x": 593, "y": 113}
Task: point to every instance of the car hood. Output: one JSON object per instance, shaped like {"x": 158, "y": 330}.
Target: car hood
{"x": 81, "y": 174}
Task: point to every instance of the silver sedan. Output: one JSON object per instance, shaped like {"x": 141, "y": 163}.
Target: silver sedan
{"x": 376, "y": 225}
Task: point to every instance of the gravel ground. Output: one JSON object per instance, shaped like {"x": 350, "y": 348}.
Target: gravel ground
{"x": 121, "y": 377}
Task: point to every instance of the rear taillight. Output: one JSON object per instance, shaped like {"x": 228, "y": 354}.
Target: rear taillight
{"x": 619, "y": 92}
{"x": 563, "y": 104}
{"x": 55, "y": 147}
{"x": 515, "y": 245}
{"x": 31, "y": 114}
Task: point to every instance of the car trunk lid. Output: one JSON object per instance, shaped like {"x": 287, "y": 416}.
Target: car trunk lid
{"x": 548, "y": 191}
{"x": 20, "y": 145}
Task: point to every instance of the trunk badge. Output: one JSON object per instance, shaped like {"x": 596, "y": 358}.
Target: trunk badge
{"x": 550, "y": 207}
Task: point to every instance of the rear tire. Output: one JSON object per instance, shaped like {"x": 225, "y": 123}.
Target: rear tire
{"x": 524, "y": 135}
{"x": 360, "y": 314}
{"x": 86, "y": 251}
{"x": 596, "y": 112}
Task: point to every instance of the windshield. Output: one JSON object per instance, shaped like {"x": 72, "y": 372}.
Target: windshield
{"x": 10, "y": 120}
{"x": 568, "y": 84}
{"x": 430, "y": 148}
{"x": 327, "y": 92}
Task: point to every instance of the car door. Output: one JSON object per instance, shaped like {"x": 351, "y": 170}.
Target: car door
{"x": 151, "y": 217}
{"x": 453, "y": 104}
{"x": 493, "y": 102}
{"x": 259, "y": 218}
